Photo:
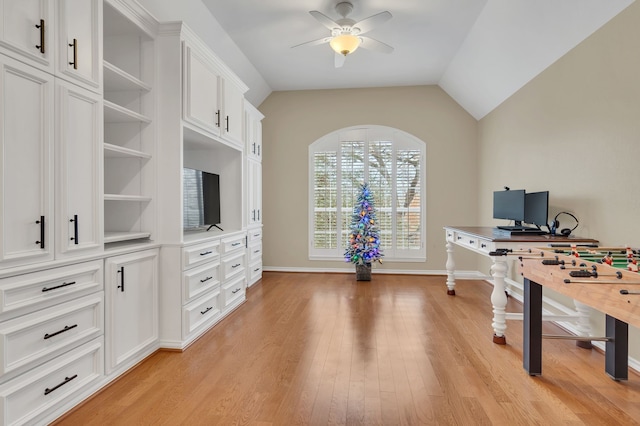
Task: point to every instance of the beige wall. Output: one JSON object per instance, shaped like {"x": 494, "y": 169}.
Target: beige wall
{"x": 294, "y": 120}
{"x": 575, "y": 131}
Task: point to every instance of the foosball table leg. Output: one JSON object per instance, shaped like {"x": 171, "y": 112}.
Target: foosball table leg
{"x": 532, "y": 331}
{"x": 617, "y": 348}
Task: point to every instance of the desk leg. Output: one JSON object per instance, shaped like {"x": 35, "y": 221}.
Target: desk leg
{"x": 499, "y": 299}
{"x": 451, "y": 266}
{"x": 532, "y": 328}
{"x": 617, "y": 348}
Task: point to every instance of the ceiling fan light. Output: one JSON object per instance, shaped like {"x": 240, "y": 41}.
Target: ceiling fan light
{"x": 345, "y": 44}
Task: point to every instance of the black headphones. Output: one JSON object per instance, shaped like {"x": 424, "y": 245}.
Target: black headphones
{"x": 564, "y": 231}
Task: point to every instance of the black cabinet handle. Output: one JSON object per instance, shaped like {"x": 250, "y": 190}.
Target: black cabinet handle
{"x": 253, "y": 213}
{"x": 256, "y": 251}
{"x": 226, "y": 120}
{"x": 258, "y": 149}
{"x": 236, "y": 290}
{"x": 41, "y": 223}
{"x": 471, "y": 241}
{"x": 75, "y": 229}
{"x": 41, "y": 27}
{"x": 459, "y": 237}
{"x": 75, "y": 54}
{"x": 235, "y": 244}
{"x": 256, "y": 270}
{"x": 254, "y": 147}
{"x": 47, "y": 391}
{"x": 236, "y": 265}
{"x": 206, "y": 253}
{"x": 58, "y": 286}
{"x": 206, "y": 279}
{"x": 483, "y": 245}
{"x": 121, "y": 272}
{"x": 66, "y": 328}
{"x": 206, "y": 310}
{"x": 218, "y": 118}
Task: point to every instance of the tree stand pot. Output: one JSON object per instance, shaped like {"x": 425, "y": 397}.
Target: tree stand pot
{"x": 363, "y": 272}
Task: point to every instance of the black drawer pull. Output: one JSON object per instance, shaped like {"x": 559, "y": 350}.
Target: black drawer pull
{"x": 47, "y": 391}
{"x": 459, "y": 237}
{"x": 257, "y": 251}
{"x": 206, "y": 310}
{"x": 236, "y": 290}
{"x": 256, "y": 235}
{"x": 471, "y": 242}
{"x": 66, "y": 328}
{"x": 235, "y": 244}
{"x": 75, "y": 229}
{"x": 256, "y": 270}
{"x": 41, "y": 27}
{"x": 42, "y": 232}
{"x": 206, "y": 253}
{"x": 483, "y": 245}
{"x": 58, "y": 286}
{"x": 75, "y": 54}
{"x": 206, "y": 279}
{"x": 236, "y": 265}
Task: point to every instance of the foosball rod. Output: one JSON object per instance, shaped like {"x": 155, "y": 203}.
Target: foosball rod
{"x": 623, "y": 291}
{"x": 569, "y": 281}
{"x": 593, "y": 274}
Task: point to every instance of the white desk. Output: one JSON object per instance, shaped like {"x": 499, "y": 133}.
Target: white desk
{"x": 482, "y": 240}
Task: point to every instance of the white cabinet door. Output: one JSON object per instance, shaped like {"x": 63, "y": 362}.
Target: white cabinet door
{"x": 201, "y": 100}
{"x": 255, "y": 192}
{"x": 78, "y": 170}
{"x": 26, "y": 29}
{"x": 26, "y": 173}
{"x": 131, "y": 291}
{"x": 233, "y": 108}
{"x": 80, "y": 42}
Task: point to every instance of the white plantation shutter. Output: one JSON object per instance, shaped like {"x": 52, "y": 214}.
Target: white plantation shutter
{"x": 391, "y": 161}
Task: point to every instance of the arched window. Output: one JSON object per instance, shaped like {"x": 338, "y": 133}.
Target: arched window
{"x": 392, "y": 162}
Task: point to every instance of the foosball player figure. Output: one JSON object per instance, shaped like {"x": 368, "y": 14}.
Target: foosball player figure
{"x": 574, "y": 251}
{"x": 632, "y": 265}
{"x": 608, "y": 259}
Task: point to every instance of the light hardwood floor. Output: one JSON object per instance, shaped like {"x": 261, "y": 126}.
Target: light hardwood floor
{"x": 318, "y": 349}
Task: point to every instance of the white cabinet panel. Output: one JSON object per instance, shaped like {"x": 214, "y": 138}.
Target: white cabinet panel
{"x": 26, "y": 30}
{"x": 78, "y": 170}
{"x": 131, "y": 293}
{"x": 254, "y": 179}
{"x": 26, "y": 173}
{"x": 79, "y": 56}
{"x": 201, "y": 104}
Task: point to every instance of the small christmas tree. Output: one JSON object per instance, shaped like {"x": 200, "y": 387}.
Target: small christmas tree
{"x": 364, "y": 241}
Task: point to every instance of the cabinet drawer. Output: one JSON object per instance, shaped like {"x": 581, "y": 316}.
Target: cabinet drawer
{"x": 232, "y": 266}
{"x": 201, "y": 253}
{"x": 233, "y": 243}
{"x": 201, "y": 311}
{"x": 255, "y": 235}
{"x": 199, "y": 280}
{"x": 255, "y": 252}
{"x": 41, "y": 289}
{"x": 26, "y": 397}
{"x": 33, "y": 338}
{"x": 234, "y": 291}
{"x": 255, "y": 272}
{"x": 467, "y": 241}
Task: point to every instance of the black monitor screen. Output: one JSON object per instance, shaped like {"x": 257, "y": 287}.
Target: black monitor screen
{"x": 536, "y": 208}
{"x": 509, "y": 204}
{"x": 201, "y": 198}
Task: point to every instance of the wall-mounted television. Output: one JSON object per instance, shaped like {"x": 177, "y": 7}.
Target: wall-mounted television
{"x": 201, "y": 199}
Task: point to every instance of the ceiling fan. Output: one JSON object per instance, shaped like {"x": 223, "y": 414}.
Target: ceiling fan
{"x": 346, "y": 34}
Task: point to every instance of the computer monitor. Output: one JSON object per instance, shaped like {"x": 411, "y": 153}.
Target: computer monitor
{"x": 509, "y": 205}
{"x": 536, "y": 208}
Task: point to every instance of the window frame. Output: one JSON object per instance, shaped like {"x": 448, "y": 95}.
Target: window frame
{"x": 332, "y": 143}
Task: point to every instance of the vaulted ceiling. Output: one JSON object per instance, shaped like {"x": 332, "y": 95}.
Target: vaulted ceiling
{"x": 479, "y": 51}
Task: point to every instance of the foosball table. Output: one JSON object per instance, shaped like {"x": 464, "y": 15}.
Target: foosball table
{"x": 605, "y": 278}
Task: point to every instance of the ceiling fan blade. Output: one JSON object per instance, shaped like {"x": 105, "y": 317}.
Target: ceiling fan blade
{"x": 372, "y": 21}
{"x": 314, "y": 42}
{"x": 324, "y": 19}
{"x": 339, "y": 60}
{"x": 375, "y": 45}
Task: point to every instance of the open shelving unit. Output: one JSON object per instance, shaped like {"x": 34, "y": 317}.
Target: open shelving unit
{"x": 129, "y": 127}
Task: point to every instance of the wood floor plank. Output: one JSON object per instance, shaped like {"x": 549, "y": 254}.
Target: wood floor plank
{"x": 324, "y": 349}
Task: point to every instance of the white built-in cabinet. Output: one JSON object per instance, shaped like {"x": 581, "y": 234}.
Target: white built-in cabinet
{"x": 131, "y": 292}
{"x": 78, "y": 160}
{"x": 79, "y": 52}
{"x": 95, "y": 96}
{"x": 26, "y": 157}
{"x": 213, "y": 100}
{"x": 26, "y": 31}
